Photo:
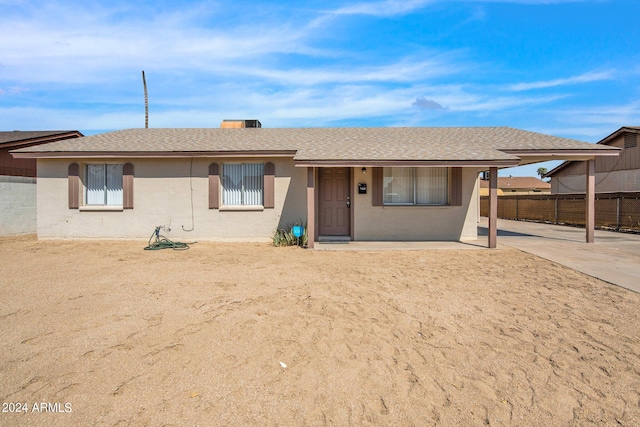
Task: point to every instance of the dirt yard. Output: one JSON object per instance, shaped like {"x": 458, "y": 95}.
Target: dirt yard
{"x": 104, "y": 333}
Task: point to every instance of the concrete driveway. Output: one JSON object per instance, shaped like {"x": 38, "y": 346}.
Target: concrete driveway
{"x": 614, "y": 257}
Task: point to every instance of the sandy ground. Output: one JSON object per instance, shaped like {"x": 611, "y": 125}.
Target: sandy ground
{"x": 104, "y": 333}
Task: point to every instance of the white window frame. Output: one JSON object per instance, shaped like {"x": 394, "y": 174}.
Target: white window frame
{"x": 107, "y": 201}
{"x": 243, "y": 198}
{"x": 415, "y": 185}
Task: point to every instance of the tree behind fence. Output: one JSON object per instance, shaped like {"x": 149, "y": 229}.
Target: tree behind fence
{"x": 618, "y": 211}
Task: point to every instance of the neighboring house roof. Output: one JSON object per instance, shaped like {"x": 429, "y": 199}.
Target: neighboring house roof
{"x": 11, "y": 166}
{"x": 522, "y": 182}
{"x": 500, "y": 146}
{"x": 485, "y": 192}
{"x": 605, "y": 141}
{"x": 17, "y": 137}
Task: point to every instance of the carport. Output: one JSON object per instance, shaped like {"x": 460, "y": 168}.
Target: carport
{"x": 536, "y": 156}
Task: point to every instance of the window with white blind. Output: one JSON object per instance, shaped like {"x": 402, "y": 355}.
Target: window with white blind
{"x": 242, "y": 184}
{"x": 416, "y": 186}
{"x": 104, "y": 185}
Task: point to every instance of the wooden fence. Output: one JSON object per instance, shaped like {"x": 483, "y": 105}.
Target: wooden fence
{"x": 617, "y": 211}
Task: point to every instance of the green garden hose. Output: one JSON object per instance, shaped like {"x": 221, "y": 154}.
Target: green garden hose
{"x": 162, "y": 242}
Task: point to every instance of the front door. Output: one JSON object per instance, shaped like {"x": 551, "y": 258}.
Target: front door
{"x": 334, "y": 202}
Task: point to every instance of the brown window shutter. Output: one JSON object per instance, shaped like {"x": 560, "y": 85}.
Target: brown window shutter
{"x": 214, "y": 186}
{"x": 455, "y": 192}
{"x": 74, "y": 186}
{"x": 127, "y": 186}
{"x": 377, "y": 187}
{"x": 269, "y": 185}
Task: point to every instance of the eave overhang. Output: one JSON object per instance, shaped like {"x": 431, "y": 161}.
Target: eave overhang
{"x": 611, "y": 151}
{"x": 147, "y": 154}
{"x": 569, "y": 154}
{"x": 528, "y": 157}
{"x": 406, "y": 163}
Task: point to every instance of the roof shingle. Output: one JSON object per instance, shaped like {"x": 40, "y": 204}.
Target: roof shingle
{"x": 326, "y": 144}
{"x": 523, "y": 182}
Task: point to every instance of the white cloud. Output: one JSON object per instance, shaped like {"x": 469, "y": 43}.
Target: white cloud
{"x": 582, "y": 78}
{"x": 592, "y": 123}
{"x": 13, "y": 90}
{"x": 384, "y": 8}
{"x": 290, "y": 106}
{"x": 611, "y": 115}
{"x": 80, "y": 44}
{"x": 528, "y": 2}
{"x": 403, "y": 70}
{"x": 398, "y": 7}
{"x": 533, "y": 1}
{"x": 273, "y": 70}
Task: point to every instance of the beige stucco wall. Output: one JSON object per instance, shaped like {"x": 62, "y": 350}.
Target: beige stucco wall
{"x": 162, "y": 196}
{"x": 449, "y": 223}
{"x": 162, "y": 189}
{"x": 606, "y": 182}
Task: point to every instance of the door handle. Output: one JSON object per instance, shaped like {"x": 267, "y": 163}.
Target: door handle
{"x": 348, "y": 201}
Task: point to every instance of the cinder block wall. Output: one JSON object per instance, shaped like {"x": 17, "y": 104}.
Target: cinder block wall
{"x": 17, "y": 205}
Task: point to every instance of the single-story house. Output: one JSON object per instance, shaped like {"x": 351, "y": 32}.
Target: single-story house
{"x": 515, "y": 185}
{"x": 613, "y": 174}
{"x": 241, "y": 184}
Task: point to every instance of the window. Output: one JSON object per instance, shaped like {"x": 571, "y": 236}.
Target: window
{"x": 415, "y": 186}
{"x": 104, "y": 185}
{"x": 242, "y": 184}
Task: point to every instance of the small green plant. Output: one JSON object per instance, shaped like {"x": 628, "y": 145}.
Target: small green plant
{"x": 285, "y": 237}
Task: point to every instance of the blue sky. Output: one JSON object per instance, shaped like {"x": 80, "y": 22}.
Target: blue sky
{"x": 567, "y": 68}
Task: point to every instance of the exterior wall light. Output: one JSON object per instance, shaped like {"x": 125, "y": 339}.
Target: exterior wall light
{"x": 364, "y": 171}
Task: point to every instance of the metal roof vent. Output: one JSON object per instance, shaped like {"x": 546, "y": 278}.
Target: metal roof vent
{"x": 239, "y": 124}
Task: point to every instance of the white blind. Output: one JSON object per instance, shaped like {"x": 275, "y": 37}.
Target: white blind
{"x": 114, "y": 185}
{"x": 232, "y": 184}
{"x": 398, "y": 185}
{"x": 416, "y": 186}
{"x": 95, "y": 185}
{"x": 104, "y": 185}
{"x": 431, "y": 186}
{"x": 253, "y": 183}
{"x": 242, "y": 184}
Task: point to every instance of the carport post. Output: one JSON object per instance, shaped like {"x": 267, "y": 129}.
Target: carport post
{"x": 311, "y": 208}
{"x": 493, "y": 207}
{"x": 590, "y": 210}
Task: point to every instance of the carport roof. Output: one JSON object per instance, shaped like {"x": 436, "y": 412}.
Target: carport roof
{"x": 17, "y": 138}
{"x": 605, "y": 141}
{"x": 500, "y": 146}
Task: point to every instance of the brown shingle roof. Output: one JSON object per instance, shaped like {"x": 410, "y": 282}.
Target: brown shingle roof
{"x": 22, "y": 135}
{"x": 529, "y": 182}
{"x": 327, "y": 144}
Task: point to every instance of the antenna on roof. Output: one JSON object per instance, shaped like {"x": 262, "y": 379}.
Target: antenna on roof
{"x": 146, "y": 102}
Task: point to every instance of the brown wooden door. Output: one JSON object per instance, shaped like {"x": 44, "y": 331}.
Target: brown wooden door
{"x": 334, "y": 199}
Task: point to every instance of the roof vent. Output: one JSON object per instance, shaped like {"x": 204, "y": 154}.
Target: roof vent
{"x": 239, "y": 124}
